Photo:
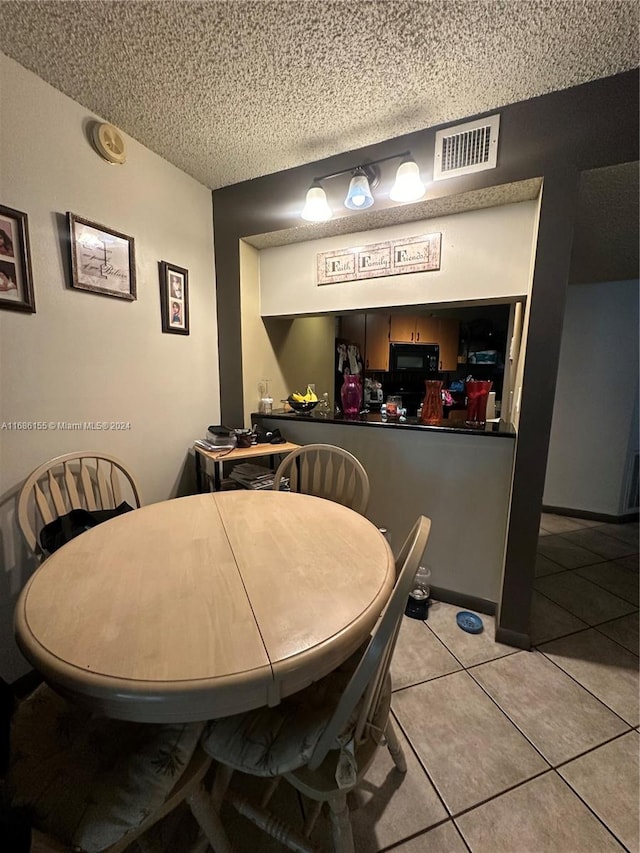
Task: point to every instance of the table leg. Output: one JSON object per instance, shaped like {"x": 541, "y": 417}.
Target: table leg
{"x": 217, "y": 470}
{"x": 198, "y": 473}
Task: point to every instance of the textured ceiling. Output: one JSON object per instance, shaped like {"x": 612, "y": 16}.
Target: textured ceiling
{"x": 228, "y": 91}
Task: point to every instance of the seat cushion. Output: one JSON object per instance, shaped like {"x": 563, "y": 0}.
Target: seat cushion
{"x": 88, "y": 781}
{"x": 273, "y": 741}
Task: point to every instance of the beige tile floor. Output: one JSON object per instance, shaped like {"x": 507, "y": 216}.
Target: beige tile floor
{"x": 508, "y": 751}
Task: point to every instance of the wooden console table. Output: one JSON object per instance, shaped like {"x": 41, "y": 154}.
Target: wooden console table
{"x": 240, "y": 453}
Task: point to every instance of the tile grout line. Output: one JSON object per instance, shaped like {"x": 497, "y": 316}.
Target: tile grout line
{"x": 573, "y": 678}
{"x": 581, "y": 618}
{"x": 420, "y": 762}
{"x": 594, "y": 529}
{"x": 588, "y": 807}
{"x": 613, "y": 640}
{"x": 594, "y": 748}
{"x": 394, "y": 846}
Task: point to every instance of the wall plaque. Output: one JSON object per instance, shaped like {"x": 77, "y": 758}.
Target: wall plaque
{"x": 393, "y": 257}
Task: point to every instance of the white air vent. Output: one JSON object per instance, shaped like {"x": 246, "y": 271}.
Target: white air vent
{"x": 466, "y": 148}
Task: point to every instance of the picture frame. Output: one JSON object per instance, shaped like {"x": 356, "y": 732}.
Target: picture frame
{"x": 102, "y": 259}
{"x": 16, "y": 280}
{"x": 174, "y": 298}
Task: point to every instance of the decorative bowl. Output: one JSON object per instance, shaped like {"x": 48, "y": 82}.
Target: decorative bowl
{"x": 302, "y": 408}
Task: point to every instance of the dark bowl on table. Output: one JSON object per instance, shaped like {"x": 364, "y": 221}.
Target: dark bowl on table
{"x": 302, "y": 408}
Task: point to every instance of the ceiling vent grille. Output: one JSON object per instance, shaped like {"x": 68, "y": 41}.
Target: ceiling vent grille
{"x": 466, "y": 148}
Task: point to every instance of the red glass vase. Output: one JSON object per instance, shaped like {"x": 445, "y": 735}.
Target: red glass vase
{"x": 432, "y": 406}
{"x": 351, "y": 395}
{"x": 477, "y": 395}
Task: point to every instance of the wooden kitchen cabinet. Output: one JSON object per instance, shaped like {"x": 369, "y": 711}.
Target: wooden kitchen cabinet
{"x": 427, "y": 330}
{"x": 352, "y": 329}
{"x": 377, "y": 348}
{"x": 413, "y": 329}
{"x": 373, "y": 331}
{"x": 402, "y": 328}
{"x": 448, "y": 338}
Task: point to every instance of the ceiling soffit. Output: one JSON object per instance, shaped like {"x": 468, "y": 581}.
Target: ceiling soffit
{"x": 423, "y": 210}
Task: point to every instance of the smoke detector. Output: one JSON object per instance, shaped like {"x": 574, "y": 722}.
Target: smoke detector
{"x": 109, "y": 143}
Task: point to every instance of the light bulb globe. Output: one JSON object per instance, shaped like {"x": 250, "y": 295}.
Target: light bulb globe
{"x": 316, "y": 208}
{"x": 408, "y": 185}
{"x": 359, "y": 195}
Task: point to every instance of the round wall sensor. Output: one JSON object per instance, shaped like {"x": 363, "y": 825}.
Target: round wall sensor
{"x": 109, "y": 143}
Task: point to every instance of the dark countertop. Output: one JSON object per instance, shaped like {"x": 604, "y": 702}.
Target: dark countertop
{"x": 371, "y": 419}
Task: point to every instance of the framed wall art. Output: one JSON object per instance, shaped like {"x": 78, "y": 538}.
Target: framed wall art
{"x": 16, "y": 283}
{"x": 393, "y": 257}
{"x": 102, "y": 260}
{"x": 174, "y": 298}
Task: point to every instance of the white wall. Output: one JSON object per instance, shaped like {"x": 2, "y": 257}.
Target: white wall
{"x": 595, "y": 418}
{"x": 87, "y": 357}
{"x": 289, "y": 353}
{"x": 486, "y": 254}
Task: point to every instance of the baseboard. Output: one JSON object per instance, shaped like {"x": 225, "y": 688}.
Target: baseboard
{"x": 459, "y": 599}
{"x": 604, "y": 517}
{"x": 513, "y": 638}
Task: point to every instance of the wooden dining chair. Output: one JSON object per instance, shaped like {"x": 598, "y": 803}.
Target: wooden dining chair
{"x": 323, "y": 739}
{"x": 81, "y": 480}
{"x": 326, "y": 472}
{"x": 75, "y": 782}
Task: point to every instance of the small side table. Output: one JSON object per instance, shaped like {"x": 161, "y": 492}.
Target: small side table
{"x": 218, "y": 459}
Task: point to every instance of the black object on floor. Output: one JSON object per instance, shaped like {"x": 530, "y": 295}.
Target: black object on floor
{"x": 417, "y": 608}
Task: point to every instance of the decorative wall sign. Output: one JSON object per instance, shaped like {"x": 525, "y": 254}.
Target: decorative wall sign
{"x": 174, "y": 298}
{"x": 417, "y": 254}
{"x": 16, "y": 288}
{"x": 393, "y": 257}
{"x": 336, "y": 266}
{"x": 102, "y": 260}
{"x": 375, "y": 260}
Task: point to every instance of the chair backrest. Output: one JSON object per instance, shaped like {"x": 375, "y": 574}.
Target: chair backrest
{"x": 372, "y": 670}
{"x": 326, "y": 472}
{"x": 84, "y": 480}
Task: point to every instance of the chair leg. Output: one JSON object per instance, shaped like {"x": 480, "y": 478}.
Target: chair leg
{"x": 271, "y": 824}
{"x": 313, "y": 812}
{"x": 395, "y": 750}
{"x": 341, "y": 831}
{"x": 146, "y": 845}
{"x": 269, "y": 791}
{"x": 209, "y": 820}
{"x": 220, "y": 785}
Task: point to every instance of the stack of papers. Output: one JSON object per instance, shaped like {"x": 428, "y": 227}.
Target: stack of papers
{"x": 252, "y": 476}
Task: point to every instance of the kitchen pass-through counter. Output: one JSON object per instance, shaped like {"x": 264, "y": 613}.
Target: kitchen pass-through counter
{"x": 457, "y": 476}
{"x": 495, "y": 427}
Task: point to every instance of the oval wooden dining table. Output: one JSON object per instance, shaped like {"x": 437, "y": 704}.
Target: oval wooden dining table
{"x": 205, "y": 606}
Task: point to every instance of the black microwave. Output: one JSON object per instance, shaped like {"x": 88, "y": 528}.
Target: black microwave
{"x": 418, "y": 358}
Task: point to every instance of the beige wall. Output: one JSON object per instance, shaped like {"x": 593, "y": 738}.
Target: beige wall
{"x": 289, "y": 353}
{"x": 512, "y": 392}
{"x": 486, "y": 254}
{"x": 461, "y": 482}
{"x": 86, "y": 357}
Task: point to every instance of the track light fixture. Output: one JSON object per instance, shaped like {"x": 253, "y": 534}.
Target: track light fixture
{"x": 408, "y": 186}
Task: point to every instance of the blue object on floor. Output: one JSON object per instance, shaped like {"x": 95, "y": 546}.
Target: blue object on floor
{"x": 469, "y": 622}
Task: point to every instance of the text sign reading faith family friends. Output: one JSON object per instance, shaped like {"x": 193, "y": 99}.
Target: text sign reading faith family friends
{"x": 393, "y": 257}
